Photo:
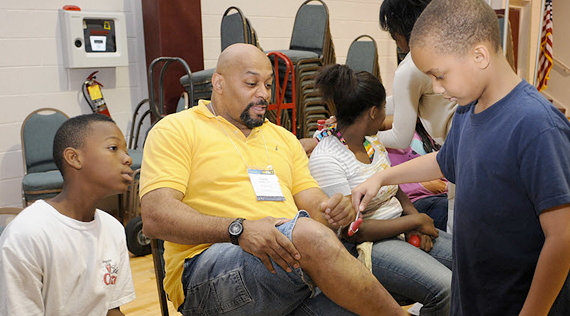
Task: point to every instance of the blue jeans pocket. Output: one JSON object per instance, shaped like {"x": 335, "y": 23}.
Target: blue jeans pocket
{"x": 219, "y": 295}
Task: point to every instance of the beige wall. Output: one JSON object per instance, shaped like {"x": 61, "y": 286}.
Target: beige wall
{"x": 32, "y": 76}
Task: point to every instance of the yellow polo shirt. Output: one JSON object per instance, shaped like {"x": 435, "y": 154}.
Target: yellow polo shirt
{"x": 190, "y": 152}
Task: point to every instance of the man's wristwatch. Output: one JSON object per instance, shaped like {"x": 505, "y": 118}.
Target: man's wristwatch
{"x": 235, "y": 229}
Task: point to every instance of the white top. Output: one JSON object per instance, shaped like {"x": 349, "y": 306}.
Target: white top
{"x": 413, "y": 96}
{"x": 336, "y": 169}
{"x": 51, "y": 264}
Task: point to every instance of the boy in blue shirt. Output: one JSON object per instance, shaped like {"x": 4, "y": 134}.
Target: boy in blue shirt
{"x": 507, "y": 153}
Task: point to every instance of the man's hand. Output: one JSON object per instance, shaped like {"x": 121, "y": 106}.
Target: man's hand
{"x": 338, "y": 211}
{"x": 262, "y": 239}
{"x": 364, "y": 192}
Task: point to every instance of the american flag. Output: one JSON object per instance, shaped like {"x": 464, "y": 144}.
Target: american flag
{"x": 545, "y": 61}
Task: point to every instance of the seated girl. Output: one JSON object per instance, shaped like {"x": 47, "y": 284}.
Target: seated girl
{"x": 345, "y": 157}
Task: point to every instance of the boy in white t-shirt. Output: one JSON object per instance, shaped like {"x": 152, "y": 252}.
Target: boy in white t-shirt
{"x": 63, "y": 256}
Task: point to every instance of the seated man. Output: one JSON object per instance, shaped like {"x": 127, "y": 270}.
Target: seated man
{"x": 220, "y": 173}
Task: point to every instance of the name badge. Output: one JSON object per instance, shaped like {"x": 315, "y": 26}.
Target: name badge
{"x": 266, "y": 185}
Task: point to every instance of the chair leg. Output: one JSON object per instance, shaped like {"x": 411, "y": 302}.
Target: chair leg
{"x": 159, "y": 273}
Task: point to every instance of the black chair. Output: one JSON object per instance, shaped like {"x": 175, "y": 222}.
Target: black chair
{"x": 311, "y": 47}
{"x": 235, "y": 28}
{"x": 363, "y": 55}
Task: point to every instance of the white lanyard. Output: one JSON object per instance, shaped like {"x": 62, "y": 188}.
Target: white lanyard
{"x": 265, "y": 182}
{"x": 235, "y": 146}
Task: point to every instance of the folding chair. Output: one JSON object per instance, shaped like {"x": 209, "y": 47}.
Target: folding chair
{"x": 42, "y": 179}
{"x": 281, "y": 81}
{"x": 234, "y": 28}
{"x": 310, "y": 48}
{"x": 363, "y": 55}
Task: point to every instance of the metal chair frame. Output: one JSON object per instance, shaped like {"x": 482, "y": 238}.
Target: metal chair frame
{"x": 281, "y": 87}
{"x": 157, "y": 108}
{"x": 158, "y": 262}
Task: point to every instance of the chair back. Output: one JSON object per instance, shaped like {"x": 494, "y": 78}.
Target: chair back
{"x": 363, "y": 55}
{"x": 252, "y": 34}
{"x": 157, "y": 247}
{"x": 234, "y": 28}
{"x": 7, "y": 214}
{"x": 37, "y": 135}
{"x": 310, "y": 28}
{"x": 157, "y": 104}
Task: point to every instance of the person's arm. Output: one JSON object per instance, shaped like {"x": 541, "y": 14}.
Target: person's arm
{"x": 420, "y": 169}
{"x": 408, "y": 89}
{"x": 308, "y": 145}
{"x": 331, "y": 176}
{"x": 334, "y": 212}
{"x": 553, "y": 263}
{"x": 410, "y": 221}
{"x": 166, "y": 217}
{"x": 115, "y": 312}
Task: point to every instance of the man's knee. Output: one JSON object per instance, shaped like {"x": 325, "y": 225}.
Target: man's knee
{"x": 314, "y": 240}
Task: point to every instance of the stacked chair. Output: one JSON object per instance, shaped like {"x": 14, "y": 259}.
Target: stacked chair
{"x": 363, "y": 56}
{"x": 235, "y": 28}
{"x": 311, "y": 47}
{"x": 281, "y": 110}
{"x": 42, "y": 179}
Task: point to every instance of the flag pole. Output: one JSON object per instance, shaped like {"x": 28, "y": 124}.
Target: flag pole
{"x": 539, "y": 43}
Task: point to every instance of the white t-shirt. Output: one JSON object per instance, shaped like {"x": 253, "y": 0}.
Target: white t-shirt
{"x": 51, "y": 264}
{"x": 413, "y": 97}
{"x": 336, "y": 169}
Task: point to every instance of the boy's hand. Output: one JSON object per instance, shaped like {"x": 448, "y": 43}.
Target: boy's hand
{"x": 338, "y": 211}
{"x": 364, "y": 192}
{"x": 261, "y": 239}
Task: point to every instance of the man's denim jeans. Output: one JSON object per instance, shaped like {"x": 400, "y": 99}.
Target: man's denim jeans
{"x": 226, "y": 280}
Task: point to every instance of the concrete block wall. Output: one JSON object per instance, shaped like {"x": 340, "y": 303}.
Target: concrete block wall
{"x": 32, "y": 76}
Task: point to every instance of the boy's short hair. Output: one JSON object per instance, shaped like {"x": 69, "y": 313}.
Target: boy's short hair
{"x": 72, "y": 133}
{"x": 456, "y": 26}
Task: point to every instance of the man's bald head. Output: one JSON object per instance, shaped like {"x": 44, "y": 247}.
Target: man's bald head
{"x": 239, "y": 56}
{"x": 241, "y": 86}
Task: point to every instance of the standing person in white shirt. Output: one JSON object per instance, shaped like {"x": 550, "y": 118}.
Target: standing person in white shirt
{"x": 63, "y": 256}
{"x": 413, "y": 97}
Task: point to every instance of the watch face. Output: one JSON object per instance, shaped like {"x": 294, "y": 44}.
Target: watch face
{"x": 235, "y": 228}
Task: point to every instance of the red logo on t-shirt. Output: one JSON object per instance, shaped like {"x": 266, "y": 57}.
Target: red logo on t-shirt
{"x": 110, "y": 277}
